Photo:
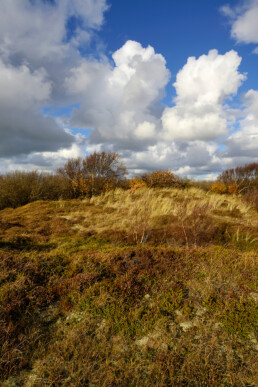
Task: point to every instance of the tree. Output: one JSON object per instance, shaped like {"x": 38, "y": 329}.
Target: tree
{"x": 104, "y": 165}
{"x": 72, "y": 169}
{"x": 98, "y": 172}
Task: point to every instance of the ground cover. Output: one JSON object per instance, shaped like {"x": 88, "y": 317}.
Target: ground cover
{"x": 143, "y": 288}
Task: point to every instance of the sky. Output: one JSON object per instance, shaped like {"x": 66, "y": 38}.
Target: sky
{"x": 167, "y": 84}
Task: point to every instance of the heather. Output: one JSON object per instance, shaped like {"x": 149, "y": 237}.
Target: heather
{"x": 146, "y": 286}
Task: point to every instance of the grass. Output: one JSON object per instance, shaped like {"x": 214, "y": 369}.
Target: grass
{"x": 155, "y": 287}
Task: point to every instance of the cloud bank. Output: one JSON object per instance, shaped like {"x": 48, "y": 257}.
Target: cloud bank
{"x": 35, "y": 55}
{"x": 119, "y": 99}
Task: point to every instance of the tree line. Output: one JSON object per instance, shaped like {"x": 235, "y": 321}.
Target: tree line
{"x": 100, "y": 172}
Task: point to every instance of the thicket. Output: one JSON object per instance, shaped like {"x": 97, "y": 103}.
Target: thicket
{"x": 20, "y": 188}
{"x": 240, "y": 180}
{"x": 237, "y": 180}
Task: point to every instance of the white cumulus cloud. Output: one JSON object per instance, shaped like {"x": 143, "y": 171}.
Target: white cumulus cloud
{"x": 121, "y": 102}
{"x": 202, "y": 86}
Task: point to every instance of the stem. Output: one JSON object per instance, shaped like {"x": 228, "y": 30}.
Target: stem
{"x": 183, "y": 227}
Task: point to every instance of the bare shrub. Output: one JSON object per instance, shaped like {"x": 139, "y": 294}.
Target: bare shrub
{"x": 139, "y": 219}
{"x": 194, "y": 221}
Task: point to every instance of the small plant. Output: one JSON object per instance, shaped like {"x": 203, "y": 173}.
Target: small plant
{"x": 140, "y": 221}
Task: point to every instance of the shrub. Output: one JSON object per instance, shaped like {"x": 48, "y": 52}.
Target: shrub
{"x": 92, "y": 186}
{"x": 219, "y": 187}
{"x": 205, "y": 185}
{"x": 161, "y": 179}
{"x": 232, "y": 189}
{"x": 20, "y": 188}
{"x": 243, "y": 178}
{"x": 251, "y": 197}
{"x": 136, "y": 183}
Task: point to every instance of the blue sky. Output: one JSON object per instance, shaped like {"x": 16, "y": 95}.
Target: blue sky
{"x": 177, "y": 30}
{"x": 167, "y": 84}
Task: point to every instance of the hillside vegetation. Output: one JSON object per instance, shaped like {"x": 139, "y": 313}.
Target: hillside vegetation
{"x": 139, "y": 287}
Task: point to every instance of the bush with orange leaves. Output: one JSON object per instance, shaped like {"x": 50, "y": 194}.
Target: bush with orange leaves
{"x": 219, "y": 187}
{"x": 161, "y": 179}
{"x": 136, "y": 183}
{"x": 91, "y": 186}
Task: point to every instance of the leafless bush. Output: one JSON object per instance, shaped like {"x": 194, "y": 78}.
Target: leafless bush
{"x": 194, "y": 221}
{"x": 243, "y": 179}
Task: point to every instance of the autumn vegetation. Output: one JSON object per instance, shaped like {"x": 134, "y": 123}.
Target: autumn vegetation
{"x": 111, "y": 281}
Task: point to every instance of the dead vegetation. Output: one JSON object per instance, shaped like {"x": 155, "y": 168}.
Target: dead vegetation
{"x": 144, "y": 288}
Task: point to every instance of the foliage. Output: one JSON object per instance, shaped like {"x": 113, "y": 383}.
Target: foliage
{"x": 219, "y": 187}
{"x": 240, "y": 179}
{"x": 97, "y": 173}
{"x": 19, "y": 188}
{"x": 136, "y": 183}
{"x": 205, "y": 185}
{"x": 87, "y": 187}
{"x": 232, "y": 189}
{"x": 161, "y": 179}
